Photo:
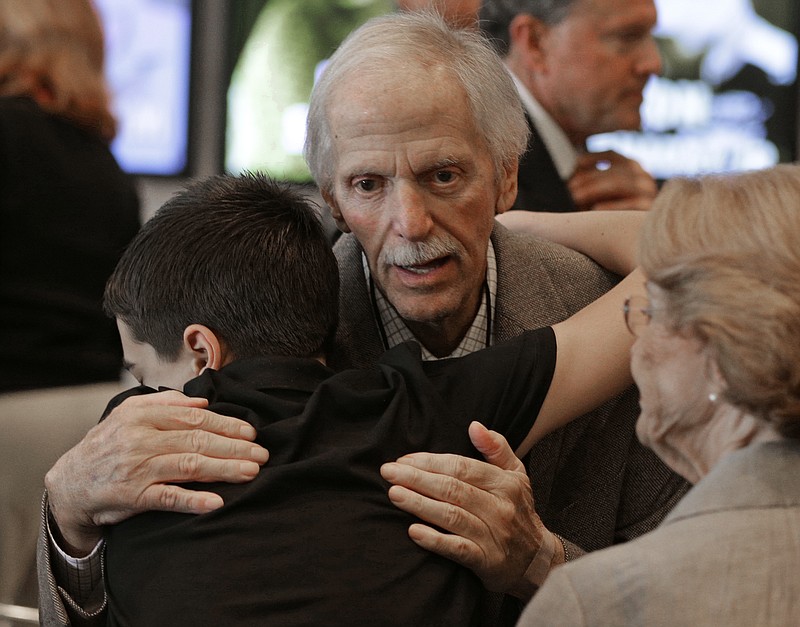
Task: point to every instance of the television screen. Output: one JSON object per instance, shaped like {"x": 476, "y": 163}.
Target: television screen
{"x": 148, "y": 59}
{"x": 727, "y": 97}
{"x": 278, "y": 48}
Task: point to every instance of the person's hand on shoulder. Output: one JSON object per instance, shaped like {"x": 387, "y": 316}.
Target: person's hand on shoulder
{"x": 130, "y": 462}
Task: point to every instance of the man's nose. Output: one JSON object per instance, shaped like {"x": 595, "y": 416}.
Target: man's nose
{"x": 412, "y": 217}
{"x": 649, "y": 61}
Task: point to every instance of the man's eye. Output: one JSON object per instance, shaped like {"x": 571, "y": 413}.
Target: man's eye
{"x": 367, "y": 185}
{"x": 631, "y": 39}
{"x": 444, "y": 176}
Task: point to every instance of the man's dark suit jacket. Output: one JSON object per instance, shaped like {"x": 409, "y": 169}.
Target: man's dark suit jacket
{"x": 540, "y": 186}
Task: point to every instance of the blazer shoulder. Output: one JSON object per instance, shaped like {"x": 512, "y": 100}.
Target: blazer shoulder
{"x": 525, "y": 258}
{"x": 540, "y": 283}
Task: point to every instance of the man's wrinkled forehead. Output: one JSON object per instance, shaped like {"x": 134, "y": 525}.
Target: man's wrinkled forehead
{"x": 388, "y": 93}
{"x": 379, "y": 74}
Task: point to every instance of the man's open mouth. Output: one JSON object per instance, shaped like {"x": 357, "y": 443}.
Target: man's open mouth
{"x": 425, "y": 268}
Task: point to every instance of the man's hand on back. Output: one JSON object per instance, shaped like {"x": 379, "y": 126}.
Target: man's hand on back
{"x": 487, "y": 508}
{"x": 130, "y": 462}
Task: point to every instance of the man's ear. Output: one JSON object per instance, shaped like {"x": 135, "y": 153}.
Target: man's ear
{"x": 528, "y": 37}
{"x": 336, "y": 213}
{"x": 507, "y": 188}
{"x": 205, "y": 347}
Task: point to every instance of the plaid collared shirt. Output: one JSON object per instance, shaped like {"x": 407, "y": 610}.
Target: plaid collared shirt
{"x": 78, "y": 575}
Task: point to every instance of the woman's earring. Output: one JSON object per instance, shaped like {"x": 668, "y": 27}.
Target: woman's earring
{"x": 713, "y": 397}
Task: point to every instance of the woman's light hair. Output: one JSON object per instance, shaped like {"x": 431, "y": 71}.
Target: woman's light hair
{"x": 388, "y": 45}
{"x": 52, "y": 51}
{"x": 726, "y": 251}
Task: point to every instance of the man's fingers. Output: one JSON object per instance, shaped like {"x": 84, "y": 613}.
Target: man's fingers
{"x": 208, "y": 421}
{"x": 186, "y": 467}
{"x": 443, "y": 476}
{"x": 478, "y": 514}
{"x": 168, "y": 397}
{"x": 618, "y": 182}
{"x": 208, "y": 444}
{"x": 171, "y": 498}
{"x": 164, "y": 495}
{"x": 436, "y": 485}
{"x": 443, "y": 514}
{"x": 604, "y": 160}
{"x": 608, "y": 176}
{"x": 494, "y": 448}
{"x": 131, "y": 461}
{"x": 453, "y": 547}
{"x": 141, "y": 427}
{"x": 173, "y": 411}
{"x": 447, "y": 477}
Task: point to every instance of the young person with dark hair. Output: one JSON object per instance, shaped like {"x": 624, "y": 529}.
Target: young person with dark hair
{"x": 232, "y": 254}
{"x": 230, "y": 293}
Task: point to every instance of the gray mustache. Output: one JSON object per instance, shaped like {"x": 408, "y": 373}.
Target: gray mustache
{"x": 419, "y": 253}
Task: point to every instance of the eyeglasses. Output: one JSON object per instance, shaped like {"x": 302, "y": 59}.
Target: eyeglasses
{"x": 637, "y": 313}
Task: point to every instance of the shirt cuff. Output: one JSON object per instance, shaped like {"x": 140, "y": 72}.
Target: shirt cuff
{"x": 76, "y": 576}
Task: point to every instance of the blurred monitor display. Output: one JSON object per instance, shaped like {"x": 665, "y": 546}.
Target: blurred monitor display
{"x": 278, "y": 48}
{"x": 727, "y": 97}
{"x": 148, "y": 60}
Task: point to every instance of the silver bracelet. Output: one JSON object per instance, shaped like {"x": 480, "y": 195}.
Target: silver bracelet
{"x": 568, "y": 556}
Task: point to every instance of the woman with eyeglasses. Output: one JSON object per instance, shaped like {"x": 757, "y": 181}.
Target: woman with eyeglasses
{"x": 717, "y": 363}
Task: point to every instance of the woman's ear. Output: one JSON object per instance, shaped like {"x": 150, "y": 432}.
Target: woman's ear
{"x": 205, "y": 347}
{"x": 717, "y": 382}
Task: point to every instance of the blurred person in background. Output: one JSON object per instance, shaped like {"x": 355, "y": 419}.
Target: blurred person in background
{"x": 67, "y": 211}
{"x": 67, "y": 208}
{"x": 580, "y": 67}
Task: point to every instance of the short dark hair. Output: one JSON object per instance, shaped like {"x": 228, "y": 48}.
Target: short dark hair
{"x": 495, "y": 17}
{"x": 243, "y": 255}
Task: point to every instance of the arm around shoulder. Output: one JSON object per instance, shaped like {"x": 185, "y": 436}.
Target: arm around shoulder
{"x": 609, "y": 237}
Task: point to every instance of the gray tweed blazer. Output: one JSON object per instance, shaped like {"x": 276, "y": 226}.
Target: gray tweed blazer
{"x": 593, "y": 482}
